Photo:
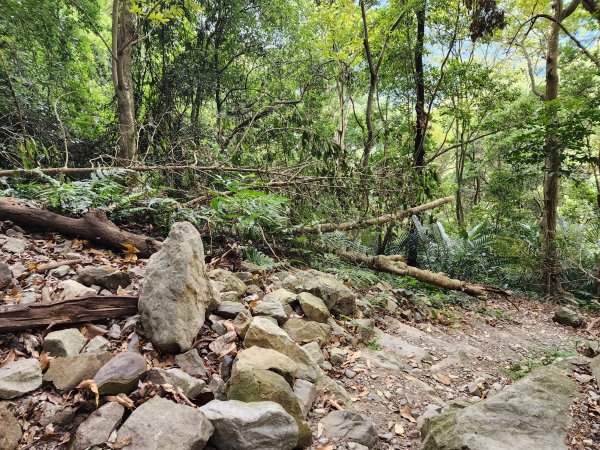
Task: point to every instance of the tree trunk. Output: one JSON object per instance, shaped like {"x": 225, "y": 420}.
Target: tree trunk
{"x": 94, "y": 226}
{"x": 79, "y": 310}
{"x": 123, "y": 36}
{"x": 553, "y": 151}
{"x": 421, "y": 116}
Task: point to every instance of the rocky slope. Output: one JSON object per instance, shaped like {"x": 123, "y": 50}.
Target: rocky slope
{"x": 253, "y": 359}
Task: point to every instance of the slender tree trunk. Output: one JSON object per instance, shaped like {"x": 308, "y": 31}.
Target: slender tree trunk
{"x": 550, "y": 269}
{"x": 123, "y": 35}
{"x": 421, "y": 122}
{"x": 421, "y": 117}
{"x": 13, "y": 94}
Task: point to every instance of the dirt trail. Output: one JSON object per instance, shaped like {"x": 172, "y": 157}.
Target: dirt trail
{"x": 421, "y": 367}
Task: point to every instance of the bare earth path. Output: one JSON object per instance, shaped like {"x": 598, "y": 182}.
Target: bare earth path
{"x": 420, "y": 367}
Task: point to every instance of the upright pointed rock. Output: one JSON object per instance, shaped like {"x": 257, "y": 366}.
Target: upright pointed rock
{"x": 176, "y": 292}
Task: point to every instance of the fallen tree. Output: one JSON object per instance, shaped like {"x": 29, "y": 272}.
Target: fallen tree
{"x": 397, "y": 267}
{"x": 94, "y": 226}
{"x": 381, "y": 220}
{"x": 79, "y": 310}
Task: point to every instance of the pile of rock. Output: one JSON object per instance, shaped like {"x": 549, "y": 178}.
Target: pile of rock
{"x": 259, "y": 399}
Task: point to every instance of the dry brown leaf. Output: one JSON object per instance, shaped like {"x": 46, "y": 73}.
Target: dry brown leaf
{"x": 122, "y": 400}
{"x": 9, "y": 358}
{"x": 94, "y": 330}
{"x": 44, "y": 359}
{"x": 121, "y": 442}
{"x": 91, "y": 385}
{"x": 443, "y": 378}
{"x": 407, "y": 413}
{"x": 129, "y": 251}
{"x": 399, "y": 429}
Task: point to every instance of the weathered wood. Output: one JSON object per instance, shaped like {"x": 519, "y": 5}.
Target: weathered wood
{"x": 381, "y": 220}
{"x": 94, "y": 226}
{"x": 395, "y": 266}
{"x": 79, "y": 310}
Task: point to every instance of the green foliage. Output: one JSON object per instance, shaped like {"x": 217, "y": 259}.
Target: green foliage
{"x": 254, "y": 256}
{"x": 542, "y": 357}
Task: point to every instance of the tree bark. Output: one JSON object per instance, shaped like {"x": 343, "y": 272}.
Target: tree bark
{"x": 397, "y": 267}
{"x": 123, "y": 36}
{"x": 79, "y": 310}
{"x": 421, "y": 116}
{"x": 94, "y": 226}
{"x": 553, "y": 151}
{"x": 359, "y": 224}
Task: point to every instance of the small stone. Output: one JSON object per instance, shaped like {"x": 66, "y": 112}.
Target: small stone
{"x": 219, "y": 327}
{"x": 567, "y": 316}
{"x": 357, "y": 446}
{"x": 5, "y": 275}
{"x": 228, "y": 281}
{"x": 314, "y": 308}
{"x": 243, "y": 276}
{"x": 350, "y": 373}
{"x": 10, "y": 430}
{"x": 67, "y": 372}
{"x": 253, "y": 289}
{"x": 226, "y": 367}
{"x": 57, "y": 414}
{"x": 241, "y": 323}
{"x": 121, "y": 374}
{"x": 306, "y": 393}
{"x": 305, "y": 331}
{"x": 472, "y": 388}
{"x": 270, "y": 309}
{"x": 14, "y": 245}
{"x": 191, "y": 362}
{"x": 282, "y": 296}
{"x": 104, "y": 276}
{"x": 229, "y": 310}
{"x": 72, "y": 289}
{"x": 67, "y": 342}
{"x": 98, "y": 427}
{"x": 364, "y": 331}
{"x": 97, "y": 344}
{"x": 248, "y": 426}
{"x": 19, "y": 378}
{"x": 581, "y": 378}
{"x": 192, "y": 387}
{"x": 267, "y": 359}
{"x": 313, "y": 350}
{"x": 348, "y": 425}
{"x": 337, "y": 356}
{"x": 160, "y": 424}
{"x": 114, "y": 332}
{"x": 60, "y": 271}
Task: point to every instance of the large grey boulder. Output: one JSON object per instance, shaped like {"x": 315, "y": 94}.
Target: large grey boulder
{"x": 68, "y": 372}
{"x": 532, "y": 413}
{"x": 567, "y": 316}
{"x": 333, "y": 292}
{"x": 248, "y": 426}
{"x": 350, "y": 426}
{"x": 266, "y": 334}
{"x": 176, "y": 292}
{"x": 97, "y": 428}
{"x": 10, "y": 430}
{"x": 67, "y": 342}
{"x": 265, "y": 358}
{"x": 306, "y": 331}
{"x": 258, "y": 385}
{"x": 160, "y": 424}
{"x": 19, "y": 378}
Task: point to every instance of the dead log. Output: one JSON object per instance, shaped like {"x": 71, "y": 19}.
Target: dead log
{"x": 94, "y": 226}
{"x": 384, "y": 264}
{"x": 79, "y": 310}
{"x": 359, "y": 224}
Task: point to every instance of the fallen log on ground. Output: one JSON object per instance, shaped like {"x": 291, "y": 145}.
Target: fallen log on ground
{"x": 94, "y": 226}
{"x": 384, "y": 264}
{"x": 79, "y": 310}
{"x": 328, "y": 227}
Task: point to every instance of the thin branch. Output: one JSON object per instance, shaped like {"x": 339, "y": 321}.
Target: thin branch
{"x": 534, "y": 88}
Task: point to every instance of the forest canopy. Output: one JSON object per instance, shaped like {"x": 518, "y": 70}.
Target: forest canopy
{"x": 258, "y": 120}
